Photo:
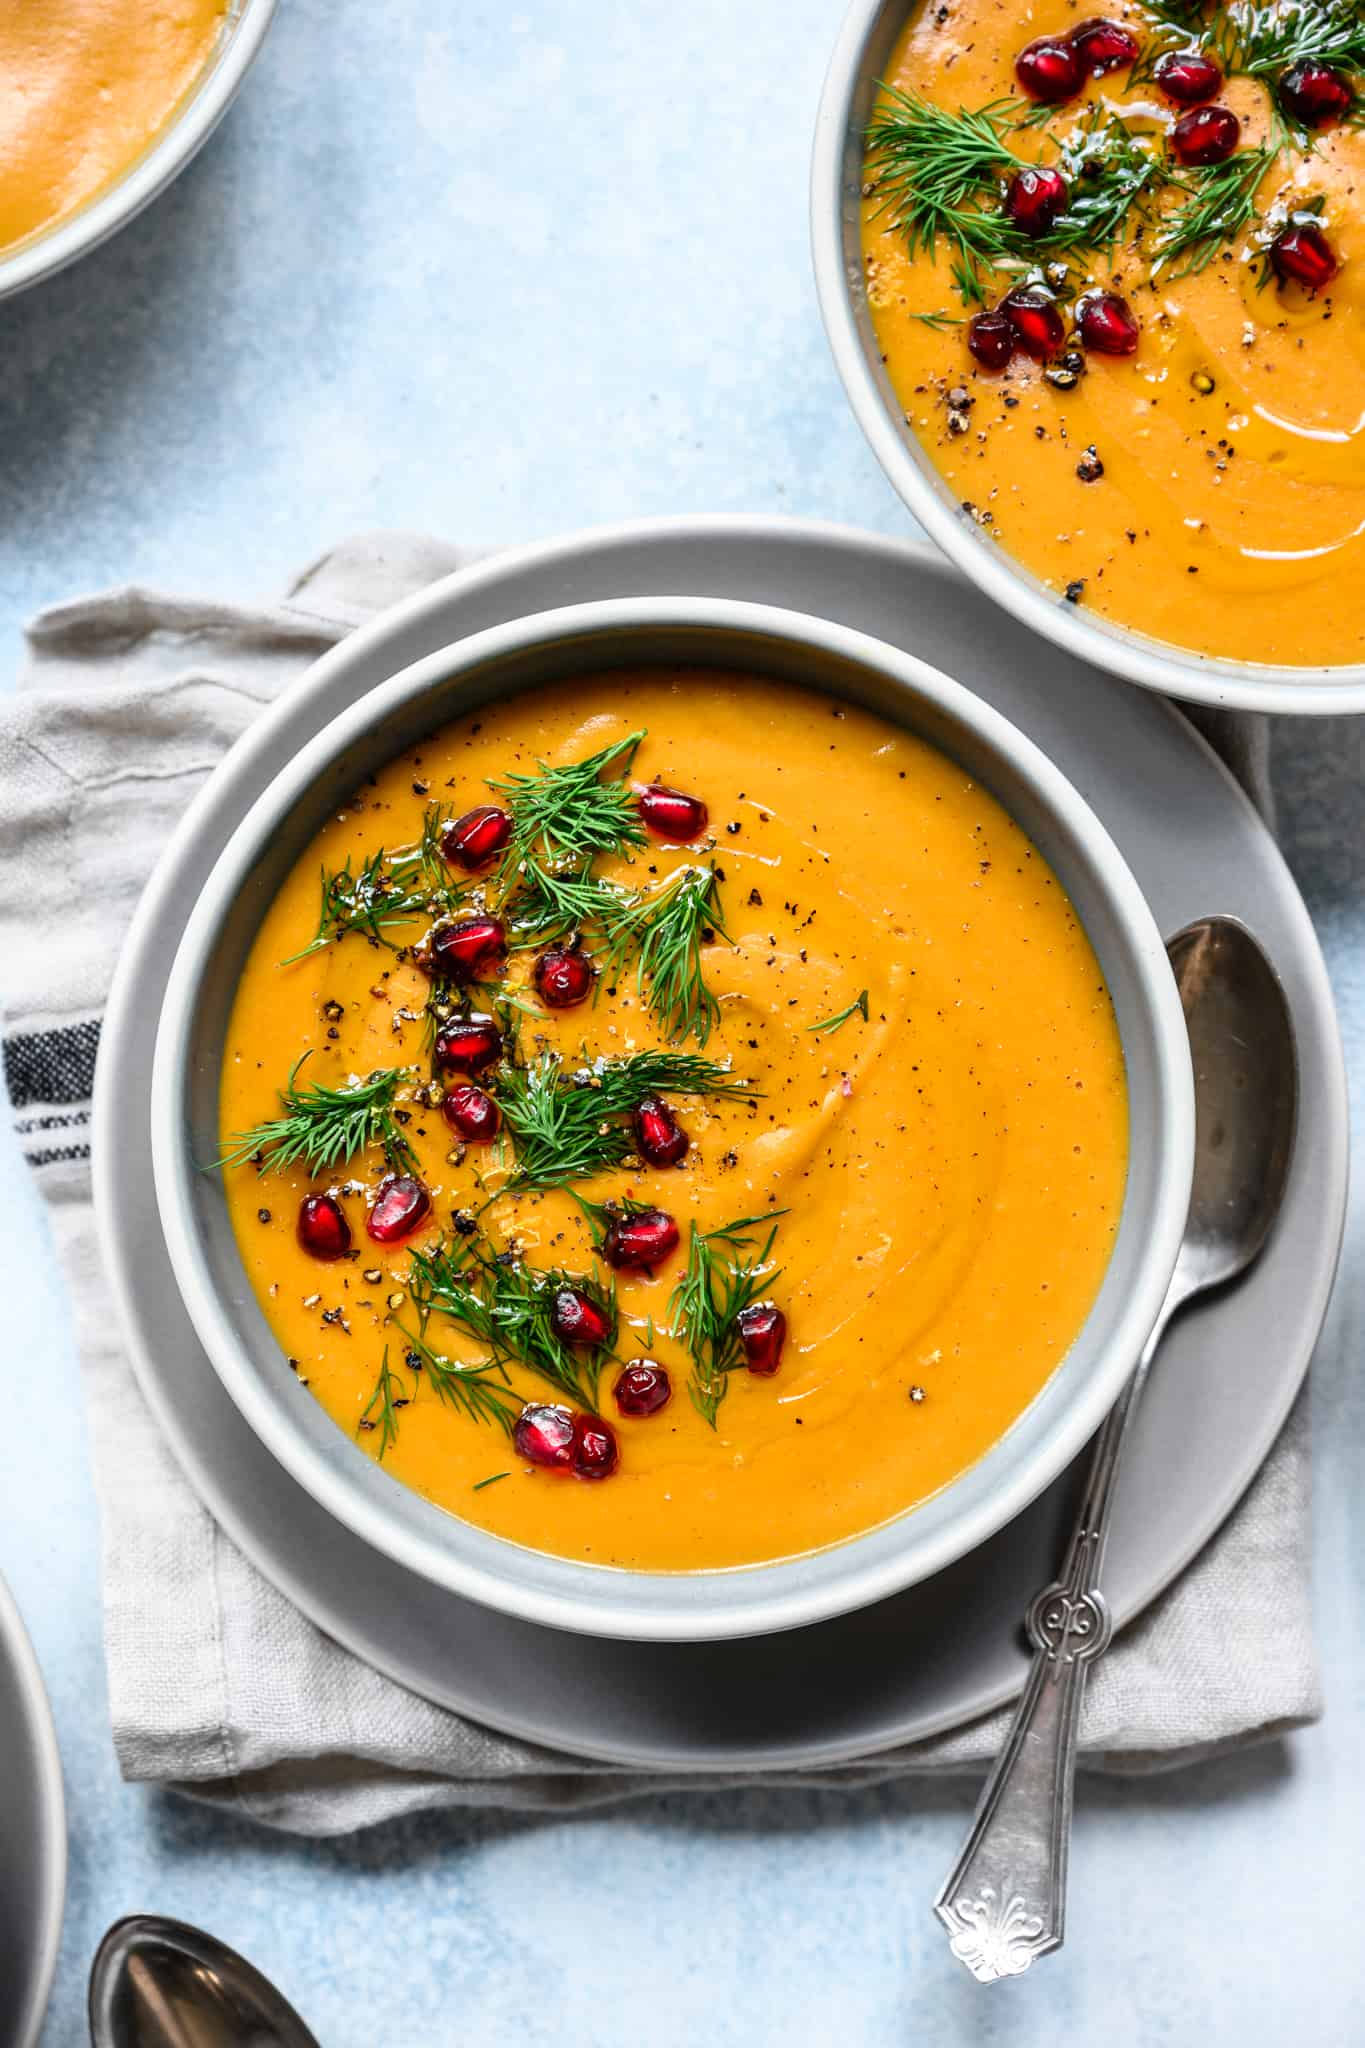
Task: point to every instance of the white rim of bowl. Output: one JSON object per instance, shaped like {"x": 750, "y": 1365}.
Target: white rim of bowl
{"x": 1178, "y": 673}
{"x": 47, "y": 252}
{"x": 52, "y": 1803}
{"x": 595, "y": 1613}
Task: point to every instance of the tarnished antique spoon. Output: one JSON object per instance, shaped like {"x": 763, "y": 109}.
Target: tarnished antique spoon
{"x": 159, "y": 1983}
{"x": 1005, "y": 1901}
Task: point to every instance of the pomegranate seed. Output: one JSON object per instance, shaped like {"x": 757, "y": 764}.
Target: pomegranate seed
{"x": 471, "y": 1114}
{"x": 1035, "y": 198}
{"x": 564, "y": 977}
{"x": 400, "y": 1207}
{"x": 594, "y": 1448}
{"x": 476, "y": 838}
{"x": 990, "y": 338}
{"x": 467, "y": 1045}
{"x": 544, "y": 1434}
{"x": 576, "y": 1318}
{"x": 1107, "y": 325}
{"x": 1206, "y": 135}
{"x": 1037, "y": 324}
{"x": 1188, "y": 76}
{"x": 641, "y": 1240}
{"x": 1103, "y": 45}
{"x": 642, "y": 1389}
{"x": 471, "y": 950}
{"x": 672, "y": 814}
{"x": 1313, "y": 92}
{"x": 1049, "y": 69}
{"x": 762, "y": 1331}
{"x": 659, "y": 1135}
{"x": 323, "y": 1229}
{"x": 1304, "y": 254}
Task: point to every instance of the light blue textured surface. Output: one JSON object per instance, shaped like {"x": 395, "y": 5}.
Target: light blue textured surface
{"x": 499, "y": 273}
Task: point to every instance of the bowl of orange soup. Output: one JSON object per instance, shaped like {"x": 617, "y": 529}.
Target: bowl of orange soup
{"x": 672, "y": 1118}
{"x": 102, "y": 104}
{"x": 1095, "y": 284}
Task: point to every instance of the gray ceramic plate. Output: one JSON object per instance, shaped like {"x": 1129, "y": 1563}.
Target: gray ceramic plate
{"x": 32, "y": 1836}
{"x": 948, "y": 1649}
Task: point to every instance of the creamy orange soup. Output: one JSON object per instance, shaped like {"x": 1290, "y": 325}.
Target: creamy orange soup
{"x": 85, "y": 87}
{"x": 1208, "y": 489}
{"x": 942, "y": 1177}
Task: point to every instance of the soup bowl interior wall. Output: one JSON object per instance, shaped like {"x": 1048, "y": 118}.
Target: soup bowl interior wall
{"x": 860, "y": 61}
{"x": 51, "y": 249}
{"x": 495, "y": 665}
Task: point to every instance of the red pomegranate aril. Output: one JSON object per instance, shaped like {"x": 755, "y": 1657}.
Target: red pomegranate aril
{"x": 1206, "y": 135}
{"x": 471, "y": 1113}
{"x": 1050, "y": 69}
{"x": 476, "y": 838}
{"x": 658, "y": 1134}
{"x": 1107, "y": 324}
{"x": 544, "y": 1434}
{"x": 1036, "y": 197}
{"x": 401, "y": 1206}
{"x": 467, "y": 1045}
{"x": 673, "y": 814}
{"x": 762, "y": 1331}
{"x": 595, "y": 1454}
{"x": 641, "y": 1240}
{"x": 1188, "y": 77}
{"x": 1103, "y": 45}
{"x": 576, "y": 1318}
{"x": 471, "y": 950}
{"x": 324, "y": 1232}
{"x": 1037, "y": 324}
{"x": 1304, "y": 255}
{"x": 990, "y": 338}
{"x": 564, "y": 977}
{"x": 1314, "y": 92}
{"x": 642, "y": 1389}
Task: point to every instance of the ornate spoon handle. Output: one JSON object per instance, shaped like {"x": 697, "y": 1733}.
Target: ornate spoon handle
{"x": 1005, "y": 1900}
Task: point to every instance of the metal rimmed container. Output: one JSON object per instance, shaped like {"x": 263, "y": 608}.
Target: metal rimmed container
{"x": 861, "y": 55}
{"x": 497, "y": 664}
{"x": 32, "y": 1835}
{"x": 43, "y": 254}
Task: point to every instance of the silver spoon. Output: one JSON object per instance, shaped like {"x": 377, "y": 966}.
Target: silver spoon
{"x": 159, "y": 1983}
{"x": 1004, "y": 1903}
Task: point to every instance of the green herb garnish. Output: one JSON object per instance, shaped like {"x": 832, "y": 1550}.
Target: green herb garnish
{"x": 664, "y": 931}
{"x": 324, "y": 1127}
{"x": 568, "y": 815}
{"x": 727, "y": 1271}
{"x": 492, "y": 1480}
{"x": 505, "y": 1305}
{"x": 480, "y": 1391}
{"x": 566, "y": 1127}
{"x": 388, "y": 1397}
{"x": 858, "y": 1006}
{"x": 1219, "y": 202}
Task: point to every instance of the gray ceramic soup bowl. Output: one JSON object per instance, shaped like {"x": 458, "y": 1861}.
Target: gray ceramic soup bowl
{"x": 481, "y": 670}
{"x": 43, "y": 254}
{"x": 859, "y": 63}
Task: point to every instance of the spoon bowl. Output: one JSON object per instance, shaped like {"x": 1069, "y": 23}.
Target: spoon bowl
{"x": 158, "y": 1983}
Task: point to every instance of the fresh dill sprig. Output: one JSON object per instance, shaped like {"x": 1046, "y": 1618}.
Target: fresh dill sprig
{"x": 492, "y": 1480}
{"x": 566, "y": 1127}
{"x": 550, "y": 904}
{"x": 387, "y": 889}
{"x": 1219, "y": 201}
{"x": 1263, "y": 38}
{"x": 324, "y": 1127}
{"x": 664, "y": 930}
{"x": 506, "y": 1306}
{"x": 565, "y": 816}
{"x": 480, "y": 1391}
{"x": 857, "y": 1007}
{"x": 388, "y": 1397}
{"x": 942, "y": 323}
{"x": 929, "y": 170}
{"x": 727, "y": 1271}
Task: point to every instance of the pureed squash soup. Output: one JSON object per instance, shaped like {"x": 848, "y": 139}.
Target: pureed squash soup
{"x": 86, "y": 86}
{"x": 1114, "y": 266}
{"x": 678, "y": 1120}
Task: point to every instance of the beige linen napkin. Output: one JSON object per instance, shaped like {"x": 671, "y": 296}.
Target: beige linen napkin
{"x": 218, "y": 1686}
